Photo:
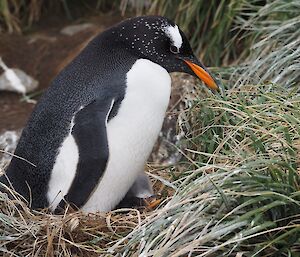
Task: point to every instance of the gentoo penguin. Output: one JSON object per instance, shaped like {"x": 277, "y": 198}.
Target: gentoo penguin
{"x": 89, "y": 136}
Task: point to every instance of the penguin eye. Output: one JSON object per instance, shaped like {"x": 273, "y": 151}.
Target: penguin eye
{"x": 174, "y": 49}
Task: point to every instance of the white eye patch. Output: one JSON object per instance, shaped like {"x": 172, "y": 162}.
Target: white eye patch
{"x": 174, "y": 34}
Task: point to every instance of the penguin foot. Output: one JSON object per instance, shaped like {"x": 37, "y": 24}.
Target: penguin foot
{"x": 130, "y": 202}
{"x": 149, "y": 203}
{"x": 152, "y": 203}
{"x": 65, "y": 207}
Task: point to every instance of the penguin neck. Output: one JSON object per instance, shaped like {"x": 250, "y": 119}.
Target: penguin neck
{"x": 107, "y": 55}
{"x": 99, "y": 63}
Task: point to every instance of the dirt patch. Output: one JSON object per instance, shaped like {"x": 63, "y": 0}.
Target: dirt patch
{"x": 41, "y": 53}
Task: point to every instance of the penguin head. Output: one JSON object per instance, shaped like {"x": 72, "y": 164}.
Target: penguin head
{"x": 160, "y": 40}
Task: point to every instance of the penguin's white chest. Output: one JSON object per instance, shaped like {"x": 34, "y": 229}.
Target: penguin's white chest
{"x": 131, "y": 136}
{"x": 132, "y": 132}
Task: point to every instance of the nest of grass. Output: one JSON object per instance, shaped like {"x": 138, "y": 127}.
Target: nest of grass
{"x": 237, "y": 191}
{"x": 24, "y": 232}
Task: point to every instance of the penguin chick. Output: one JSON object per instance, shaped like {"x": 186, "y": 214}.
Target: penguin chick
{"x": 89, "y": 136}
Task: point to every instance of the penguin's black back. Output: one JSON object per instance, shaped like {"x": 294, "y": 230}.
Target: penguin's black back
{"x": 99, "y": 71}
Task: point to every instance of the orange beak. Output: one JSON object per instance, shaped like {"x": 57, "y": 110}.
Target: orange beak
{"x": 203, "y": 75}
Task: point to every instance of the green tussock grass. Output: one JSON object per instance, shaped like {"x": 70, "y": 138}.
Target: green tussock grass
{"x": 239, "y": 191}
{"x": 275, "y": 51}
{"x": 210, "y": 25}
{"x": 219, "y": 31}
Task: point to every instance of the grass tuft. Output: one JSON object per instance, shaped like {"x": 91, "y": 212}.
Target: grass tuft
{"x": 241, "y": 192}
{"x": 275, "y": 45}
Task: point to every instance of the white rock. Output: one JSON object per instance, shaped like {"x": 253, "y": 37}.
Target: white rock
{"x": 74, "y": 29}
{"x": 16, "y": 80}
{"x": 8, "y": 144}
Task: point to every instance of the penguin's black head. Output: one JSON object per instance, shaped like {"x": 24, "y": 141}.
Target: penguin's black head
{"x": 160, "y": 40}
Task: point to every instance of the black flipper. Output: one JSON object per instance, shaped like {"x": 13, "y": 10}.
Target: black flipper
{"x": 89, "y": 132}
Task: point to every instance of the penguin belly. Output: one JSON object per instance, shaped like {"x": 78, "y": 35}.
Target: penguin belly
{"x": 132, "y": 133}
{"x": 63, "y": 171}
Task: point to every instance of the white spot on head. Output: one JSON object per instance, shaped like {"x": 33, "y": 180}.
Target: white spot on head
{"x": 174, "y": 34}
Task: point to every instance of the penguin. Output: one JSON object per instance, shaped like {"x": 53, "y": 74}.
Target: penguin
{"x": 91, "y": 133}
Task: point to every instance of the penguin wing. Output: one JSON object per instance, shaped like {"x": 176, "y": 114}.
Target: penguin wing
{"x": 90, "y": 134}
